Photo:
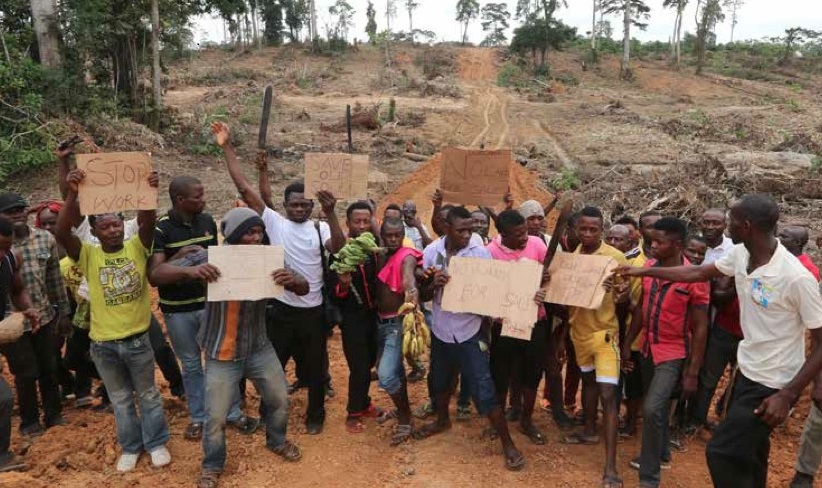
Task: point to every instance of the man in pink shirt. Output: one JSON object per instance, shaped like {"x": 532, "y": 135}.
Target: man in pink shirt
{"x": 511, "y": 356}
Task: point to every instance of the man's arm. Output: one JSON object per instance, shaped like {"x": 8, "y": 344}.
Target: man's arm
{"x": 328, "y": 202}
{"x": 66, "y": 217}
{"x": 63, "y": 168}
{"x": 633, "y": 330}
{"x": 426, "y": 239}
{"x": 20, "y": 296}
{"x": 409, "y": 280}
{"x": 699, "y": 337}
{"x": 263, "y": 182}
{"x": 146, "y": 219}
{"x": 55, "y": 287}
{"x": 223, "y": 138}
{"x": 682, "y": 274}
{"x": 291, "y": 281}
{"x": 437, "y": 222}
{"x": 723, "y": 291}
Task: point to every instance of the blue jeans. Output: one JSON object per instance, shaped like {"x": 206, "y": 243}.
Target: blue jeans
{"x": 664, "y": 378}
{"x": 473, "y": 363}
{"x": 221, "y": 378}
{"x": 127, "y": 367}
{"x": 182, "y": 329}
{"x": 390, "y": 371}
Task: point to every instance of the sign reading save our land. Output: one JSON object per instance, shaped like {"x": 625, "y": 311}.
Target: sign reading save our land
{"x": 475, "y": 176}
{"x": 344, "y": 175}
{"x": 115, "y": 182}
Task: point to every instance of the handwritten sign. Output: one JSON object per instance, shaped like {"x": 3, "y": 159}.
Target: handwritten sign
{"x": 475, "y": 177}
{"x": 576, "y": 279}
{"x": 115, "y": 182}
{"x": 499, "y": 289}
{"x": 245, "y": 272}
{"x": 344, "y": 175}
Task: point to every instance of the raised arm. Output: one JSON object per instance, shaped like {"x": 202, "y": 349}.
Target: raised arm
{"x": 68, "y": 215}
{"x": 263, "y": 182}
{"x": 437, "y": 222}
{"x": 223, "y": 138}
{"x": 147, "y": 218}
{"x": 328, "y": 202}
{"x": 682, "y": 274}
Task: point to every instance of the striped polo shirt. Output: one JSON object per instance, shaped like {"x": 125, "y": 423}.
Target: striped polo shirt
{"x": 172, "y": 234}
{"x": 666, "y": 327}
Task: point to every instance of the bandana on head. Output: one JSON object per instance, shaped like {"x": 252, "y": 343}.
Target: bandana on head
{"x": 531, "y": 208}
{"x": 53, "y": 206}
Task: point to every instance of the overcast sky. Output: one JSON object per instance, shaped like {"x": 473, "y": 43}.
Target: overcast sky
{"x": 757, "y": 19}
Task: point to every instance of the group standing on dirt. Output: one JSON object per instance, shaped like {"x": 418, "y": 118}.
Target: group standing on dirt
{"x": 677, "y": 312}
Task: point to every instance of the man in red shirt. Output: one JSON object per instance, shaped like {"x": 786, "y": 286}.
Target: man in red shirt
{"x": 673, "y": 318}
{"x": 795, "y": 238}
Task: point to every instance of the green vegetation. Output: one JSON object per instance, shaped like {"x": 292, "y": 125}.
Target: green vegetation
{"x": 568, "y": 179}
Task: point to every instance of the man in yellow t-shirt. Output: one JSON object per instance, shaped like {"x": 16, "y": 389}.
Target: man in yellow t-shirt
{"x": 120, "y": 315}
{"x": 595, "y": 334}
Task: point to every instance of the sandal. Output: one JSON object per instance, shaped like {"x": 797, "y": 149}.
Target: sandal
{"x": 373, "y": 412}
{"x": 533, "y": 434}
{"x": 208, "y": 479}
{"x": 288, "y": 451}
{"x": 515, "y": 463}
{"x": 354, "y": 425}
{"x": 193, "y": 432}
{"x": 430, "y": 429}
{"x": 610, "y": 481}
{"x": 402, "y": 433}
{"x": 386, "y": 415}
{"x": 491, "y": 433}
{"x": 580, "y": 439}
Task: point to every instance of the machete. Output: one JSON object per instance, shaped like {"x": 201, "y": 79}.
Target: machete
{"x": 265, "y": 116}
{"x": 559, "y": 231}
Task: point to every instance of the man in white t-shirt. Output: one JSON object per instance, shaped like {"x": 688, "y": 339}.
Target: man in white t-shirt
{"x": 296, "y": 324}
{"x": 779, "y": 300}
{"x": 712, "y": 224}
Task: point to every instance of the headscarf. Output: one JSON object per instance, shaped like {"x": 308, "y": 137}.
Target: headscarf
{"x": 531, "y": 208}
{"x": 53, "y": 206}
{"x": 236, "y": 223}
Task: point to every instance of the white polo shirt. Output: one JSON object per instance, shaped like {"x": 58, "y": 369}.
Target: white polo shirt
{"x": 778, "y": 301}
{"x": 712, "y": 254}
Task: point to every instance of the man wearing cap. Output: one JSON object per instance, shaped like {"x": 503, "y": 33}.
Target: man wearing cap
{"x": 33, "y": 358}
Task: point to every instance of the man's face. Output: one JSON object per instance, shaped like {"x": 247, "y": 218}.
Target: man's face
{"x": 619, "y": 237}
{"x": 662, "y": 245}
{"x": 647, "y": 225}
{"x": 48, "y": 220}
{"x": 535, "y": 224}
{"x": 253, "y": 236}
{"x": 792, "y": 239}
{"x": 19, "y": 216}
{"x": 712, "y": 225}
{"x": 516, "y": 237}
{"x": 459, "y": 232}
{"x": 359, "y": 222}
{"x": 409, "y": 213}
{"x": 297, "y": 207}
{"x": 392, "y": 237}
{"x": 634, "y": 235}
{"x": 481, "y": 225}
{"x": 192, "y": 201}
{"x": 695, "y": 251}
{"x": 589, "y": 231}
{"x": 738, "y": 227}
{"x": 109, "y": 229}
{"x": 392, "y": 213}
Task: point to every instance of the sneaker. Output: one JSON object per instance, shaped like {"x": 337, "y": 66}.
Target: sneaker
{"x": 84, "y": 401}
{"x": 663, "y": 463}
{"x": 463, "y": 413}
{"x": 14, "y": 463}
{"x": 246, "y": 425}
{"x": 127, "y": 462}
{"x": 425, "y": 411}
{"x": 679, "y": 444}
{"x": 160, "y": 457}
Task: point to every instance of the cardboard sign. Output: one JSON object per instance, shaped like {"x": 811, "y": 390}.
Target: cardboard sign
{"x": 245, "y": 272}
{"x": 344, "y": 175}
{"x": 576, "y": 279}
{"x": 498, "y": 289}
{"x": 475, "y": 177}
{"x": 115, "y": 182}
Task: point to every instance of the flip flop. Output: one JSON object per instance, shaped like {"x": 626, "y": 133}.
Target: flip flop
{"x": 402, "y": 433}
{"x": 515, "y": 463}
{"x": 611, "y": 482}
{"x": 373, "y": 412}
{"x": 533, "y": 434}
{"x": 580, "y": 439}
{"x": 386, "y": 415}
{"x": 354, "y": 425}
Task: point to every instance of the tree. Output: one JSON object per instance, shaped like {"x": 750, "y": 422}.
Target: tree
{"x": 633, "y": 12}
{"x": 793, "y": 37}
{"x": 676, "y": 40}
{"x": 371, "y": 25}
{"x": 735, "y": 5}
{"x": 271, "y": 12}
{"x": 495, "y": 19}
{"x": 344, "y": 13}
{"x": 410, "y": 6}
{"x": 708, "y": 13}
{"x": 44, "y": 17}
{"x": 157, "y": 90}
{"x": 535, "y": 37}
{"x": 597, "y": 8}
{"x": 296, "y": 15}
{"x": 467, "y": 10}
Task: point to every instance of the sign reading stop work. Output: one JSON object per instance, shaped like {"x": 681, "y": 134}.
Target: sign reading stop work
{"x": 344, "y": 175}
{"x": 115, "y": 182}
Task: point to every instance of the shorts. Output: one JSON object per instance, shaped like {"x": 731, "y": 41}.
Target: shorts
{"x": 599, "y": 352}
{"x": 634, "y": 388}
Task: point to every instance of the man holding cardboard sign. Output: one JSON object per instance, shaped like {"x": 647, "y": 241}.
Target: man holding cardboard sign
{"x": 475, "y": 176}
{"x": 457, "y": 340}
{"x": 116, "y": 182}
